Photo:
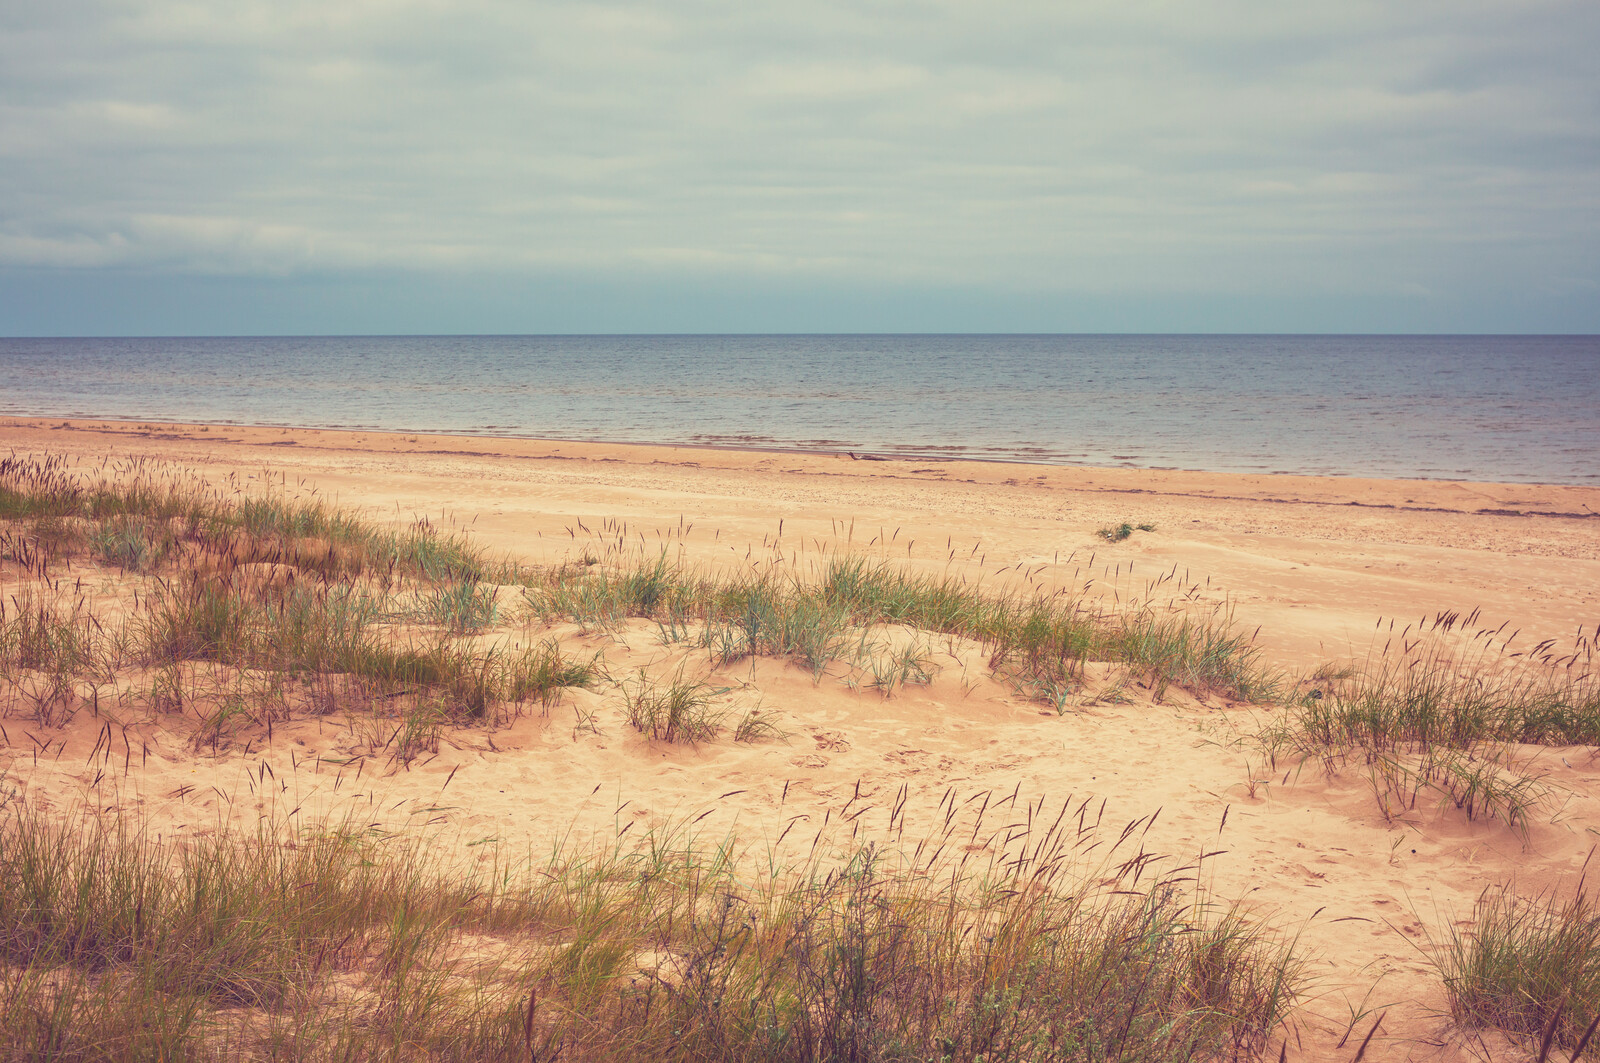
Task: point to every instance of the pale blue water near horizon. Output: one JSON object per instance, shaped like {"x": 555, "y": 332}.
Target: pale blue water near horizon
{"x": 1501, "y": 408}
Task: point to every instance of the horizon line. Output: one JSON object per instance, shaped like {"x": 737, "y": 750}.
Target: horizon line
{"x": 755, "y": 335}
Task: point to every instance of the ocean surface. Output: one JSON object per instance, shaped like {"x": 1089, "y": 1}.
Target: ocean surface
{"x": 1502, "y": 408}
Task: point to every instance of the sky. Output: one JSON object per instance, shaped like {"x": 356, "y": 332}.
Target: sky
{"x": 174, "y": 167}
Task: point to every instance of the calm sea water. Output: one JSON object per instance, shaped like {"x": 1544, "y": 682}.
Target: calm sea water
{"x": 1454, "y": 407}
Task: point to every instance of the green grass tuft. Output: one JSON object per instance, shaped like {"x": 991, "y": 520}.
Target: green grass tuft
{"x": 1116, "y": 533}
{"x": 1433, "y": 724}
{"x": 1531, "y": 967}
{"x": 674, "y": 708}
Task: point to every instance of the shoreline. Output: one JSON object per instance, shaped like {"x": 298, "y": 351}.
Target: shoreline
{"x": 1296, "y": 488}
{"x": 751, "y": 445}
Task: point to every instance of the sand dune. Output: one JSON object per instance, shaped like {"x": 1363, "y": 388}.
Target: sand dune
{"x": 1326, "y": 568}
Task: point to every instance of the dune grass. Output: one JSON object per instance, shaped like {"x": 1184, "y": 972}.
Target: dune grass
{"x": 334, "y": 629}
{"x": 293, "y": 588}
{"x": 1443, "y": 718}
{"x": 266, "y": 581}
{"x": 675, "y": 708}
{"x": 141, "y": 517}
{"x": 337, "y": 943}
{"x": 1116, "y": 533}
{"x": 1531, "y": 967}
{"x": 1039, "y": 642}
{"x": 1440, "y": 691}
{"x": 461, "y": 606}
{"x": 137, "y": 512}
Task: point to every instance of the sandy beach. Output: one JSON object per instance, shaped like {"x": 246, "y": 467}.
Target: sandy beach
{"x": 1324, "y": 571}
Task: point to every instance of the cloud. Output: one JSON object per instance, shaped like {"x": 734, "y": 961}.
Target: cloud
{"x": 1077, "y": 148}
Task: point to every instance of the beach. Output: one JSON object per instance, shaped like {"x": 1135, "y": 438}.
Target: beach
{"x": 1320, "y": 572}
{"x": 1315, "y": 561}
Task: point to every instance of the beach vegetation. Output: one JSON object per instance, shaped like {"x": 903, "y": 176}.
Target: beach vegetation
{"x": 332, "y": 941}
{"x": 675, "y": 708}
{"x": 759, "y": 725}
{"x": 1442, "y": 712}
{"x": 892, "y": 667}
{"x": 461, "y": 606}
{"x": 227, "y": 587}
{"x": 1530, "y": 967}
{"x": 1037, "y": 641}
{"x": 1116, "y": 533}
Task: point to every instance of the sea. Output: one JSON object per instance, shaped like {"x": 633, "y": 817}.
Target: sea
{"x": 1498, "y": 408}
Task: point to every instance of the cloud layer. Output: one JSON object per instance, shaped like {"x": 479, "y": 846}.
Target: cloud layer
{"x": 1426, "y": 154}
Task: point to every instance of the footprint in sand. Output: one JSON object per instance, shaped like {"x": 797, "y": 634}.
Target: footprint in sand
{"x": 831, "y": 741}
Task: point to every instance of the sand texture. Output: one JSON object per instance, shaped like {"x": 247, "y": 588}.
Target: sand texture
{"x": 1324, "y": 570}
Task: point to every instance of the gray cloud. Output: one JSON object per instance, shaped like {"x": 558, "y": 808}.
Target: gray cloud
{"x": 1364, "y": 150}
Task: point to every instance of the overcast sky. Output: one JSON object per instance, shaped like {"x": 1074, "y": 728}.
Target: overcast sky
{"x": 246, "y": 166}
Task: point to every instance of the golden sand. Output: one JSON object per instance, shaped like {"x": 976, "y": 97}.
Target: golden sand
{"x": 1321, "y": 565}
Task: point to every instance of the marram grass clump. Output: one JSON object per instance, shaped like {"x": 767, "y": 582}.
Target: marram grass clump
{"x": 1531, "y": 967}
{"x": 1116, "y": 533}
{"x": 1441, "y": 719}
